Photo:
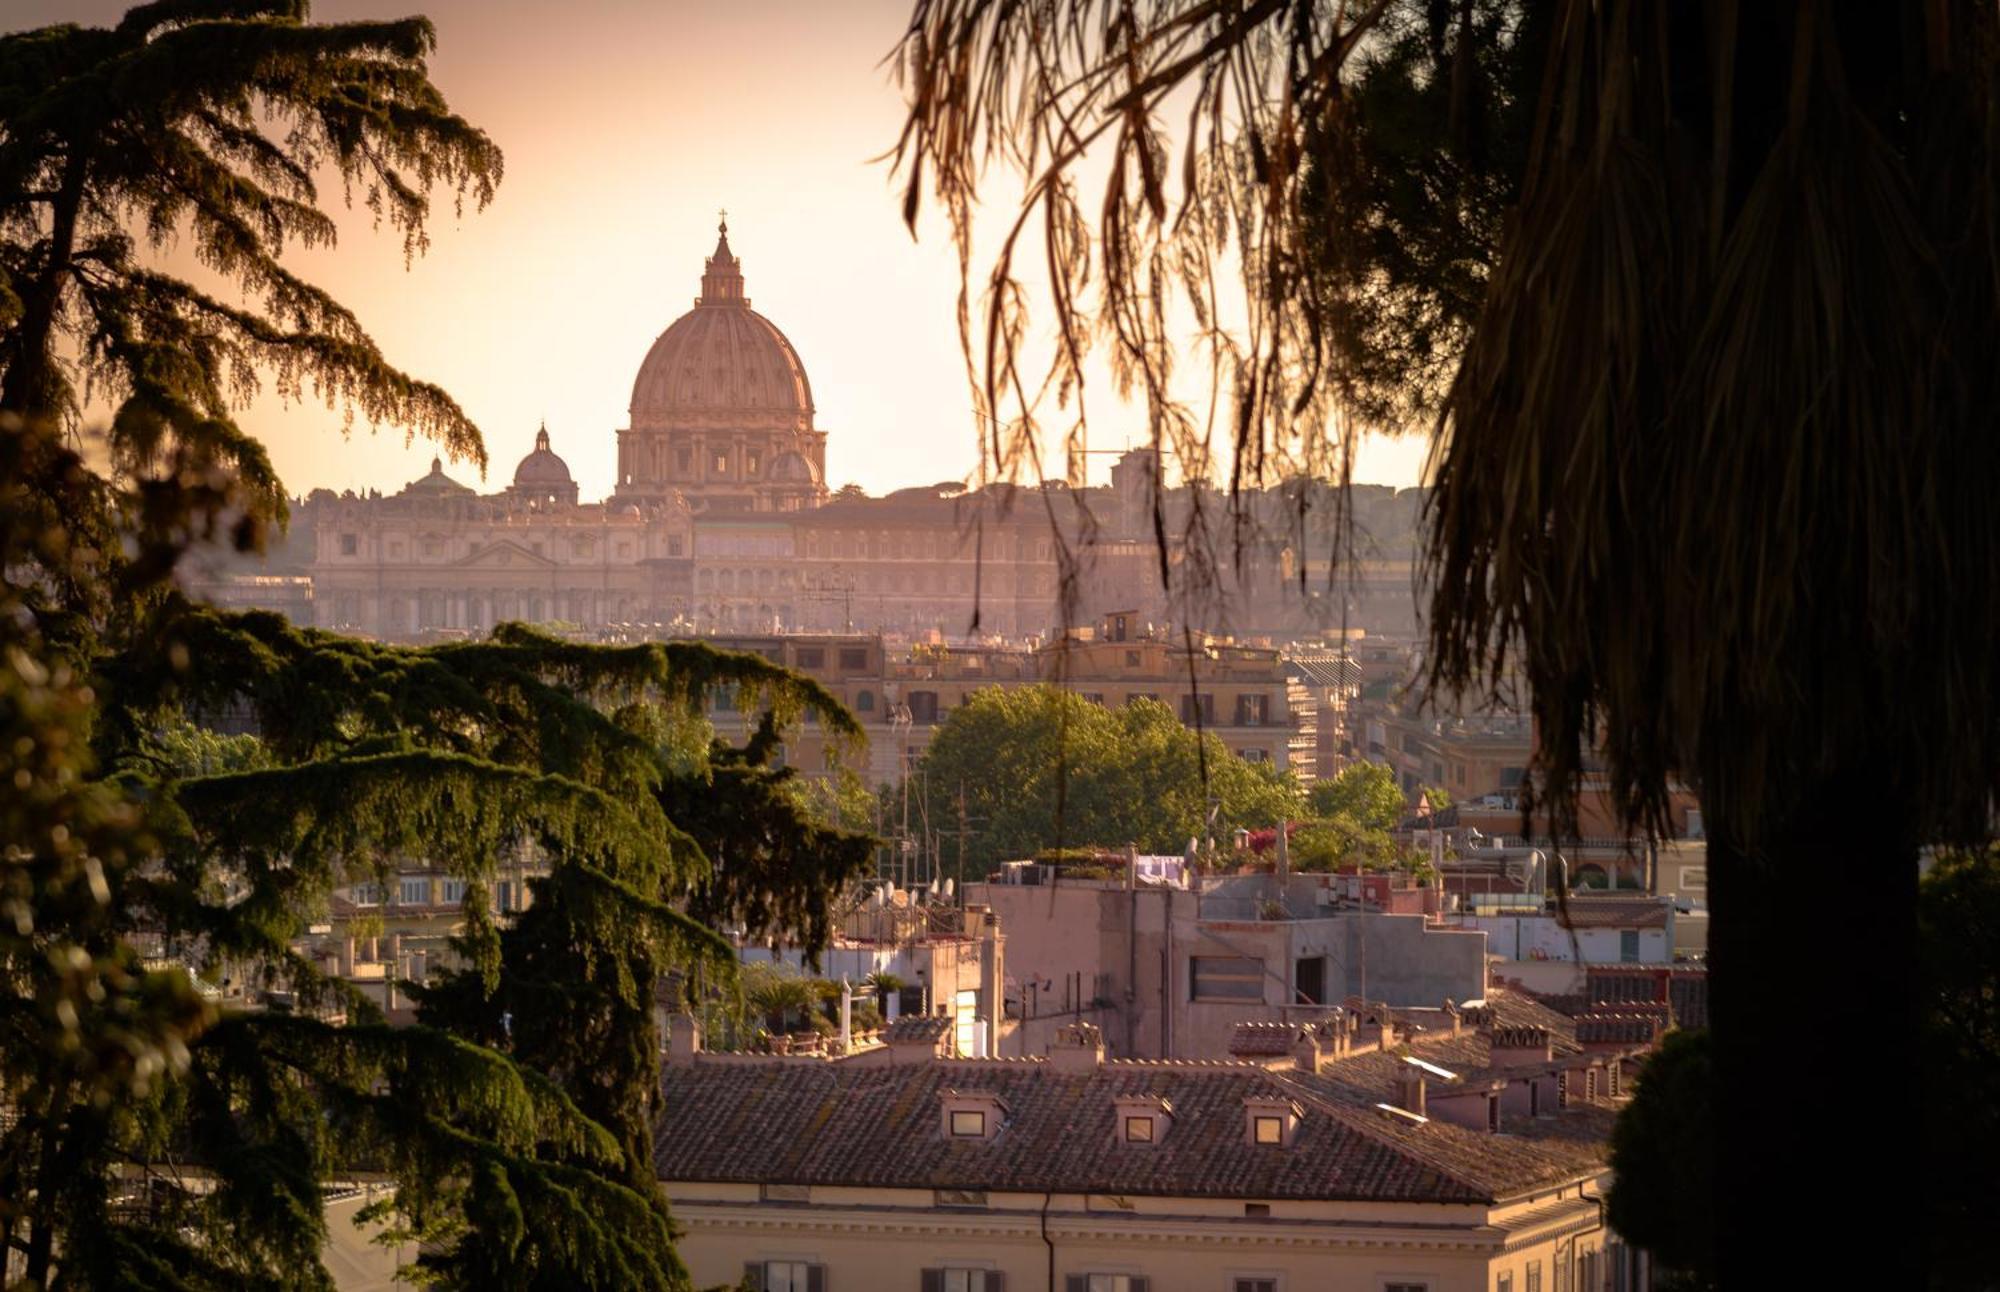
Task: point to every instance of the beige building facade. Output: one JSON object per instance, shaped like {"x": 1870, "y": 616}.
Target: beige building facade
{"x": 721, "y": 519}
{"x": 1077, "y": 1172}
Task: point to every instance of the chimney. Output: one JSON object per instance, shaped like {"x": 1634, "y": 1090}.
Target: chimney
{"x": 683, "y": 1040}
{"x": 1336, "y": 1034}
{"x": 917, "y": 1038}
{"x": 1306, "y": 1052}
{"x": 1410, "y": 1090}
{"x": 1077, "y": 1048}
{"x": 992, "y": 977}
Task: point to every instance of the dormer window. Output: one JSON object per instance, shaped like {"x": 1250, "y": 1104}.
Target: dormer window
{"x": 1143, "y": 1120}
{"x": 967, "y": 1116}
{"x": 1270, "y": 1122}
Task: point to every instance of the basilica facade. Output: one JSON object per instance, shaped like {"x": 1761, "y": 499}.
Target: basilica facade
{"x": 720, "y": 520}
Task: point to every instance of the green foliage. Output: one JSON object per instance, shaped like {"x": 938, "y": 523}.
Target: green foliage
{"x": 1663, "y": 1156}
{"x": 1402, "y": 217}
{"x": 1364, "y": 794}
{"x": 1958, "y": 925}
{"x": 782, "y": 999}
{"x": 211, "y": 123}
{"x": 1037, "y": 767}
{"x": 1337, "y": 843}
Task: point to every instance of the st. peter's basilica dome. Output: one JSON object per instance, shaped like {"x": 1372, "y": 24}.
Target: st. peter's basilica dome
{"x": 722, "y": 413}
{"x": 722, "y": 363}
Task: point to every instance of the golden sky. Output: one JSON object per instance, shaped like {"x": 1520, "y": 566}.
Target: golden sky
{"x": 626, "y": 124}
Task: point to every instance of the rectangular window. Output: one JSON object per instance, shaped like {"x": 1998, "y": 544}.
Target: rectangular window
{"x": 1131, "y": 659}
{"x": 1406, "y": 1287}
{"x": 1252, "y": 710}
{"x": 1254, "y": 1285}
{"x": 968, "y": 1124}
{"x": 812, "y": 657}
{"x": 722, "y": 464}
{"x": 793, "y": 1276}
{"x": 853, "y": 659}
{"x": 452, "y": 892}
{"x": 961, "y": 1280}
{"x": 1628, "y": 946}
{"x": 1225, "y": 978}
{"x": 367, "y": 894}
{"x": 1504, "y": 1283}
{"x": 1201, "y": 707}
{"x": 414, "y": 892}
{"x": 1139, "y": 1130}
{"x": 349, "y": 544}
{"x": 1106, "y": 1283}
{"x": 1268, "y": 1130}
{"x": 1534, "y": 1276}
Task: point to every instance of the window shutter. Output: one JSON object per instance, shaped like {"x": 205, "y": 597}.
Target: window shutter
{"x": 753, "y": 1276}
{"x": 996, "y": 1281}
{"x": 1077, "y": 1283}
{"x": 1140, "y": 1283}
{"x": 933, "y": 1281}
{"x": 815, "y": 1278}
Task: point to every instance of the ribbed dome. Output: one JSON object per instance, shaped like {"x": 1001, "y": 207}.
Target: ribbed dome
{"x": 542, "y": 469}
{"x": 722, "y": 363}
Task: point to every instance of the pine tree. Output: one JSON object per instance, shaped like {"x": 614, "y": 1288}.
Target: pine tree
{"x": 515, "y": 1121}
{"x": 152, "y": 1140}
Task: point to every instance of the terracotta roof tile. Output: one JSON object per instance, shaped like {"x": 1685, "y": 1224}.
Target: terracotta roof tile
{"x": 831, "y": 1124}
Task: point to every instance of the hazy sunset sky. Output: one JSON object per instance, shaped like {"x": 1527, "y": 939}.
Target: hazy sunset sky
{"x": 626, "y": 124}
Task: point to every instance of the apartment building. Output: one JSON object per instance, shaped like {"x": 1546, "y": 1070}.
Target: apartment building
{"x": 1236, "y": 693}
{"x": 1169, "y": 972}
{"x": 1087, "y": 1174}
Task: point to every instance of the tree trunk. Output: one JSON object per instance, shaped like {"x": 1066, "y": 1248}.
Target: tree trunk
{"x": 26, "y": 387}
{"x": 1813, "y": 1006}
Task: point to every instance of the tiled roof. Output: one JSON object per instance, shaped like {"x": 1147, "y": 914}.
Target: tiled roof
{"x": 834, "y": 1125}
{"x": 1614, "y": 912}
{"x": 1517, "y": 1009}
{"x": 917, "y": 1027}
{"x": 1618, "y": 1029}
{"x": 1261, "y": 1039}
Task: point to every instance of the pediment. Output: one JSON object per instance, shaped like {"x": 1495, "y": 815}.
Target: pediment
{"x": 502, "y": 555}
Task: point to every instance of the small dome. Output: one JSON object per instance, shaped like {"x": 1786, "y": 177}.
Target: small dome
{"x": 793, "y": 468}
{"x": 437, "y": 483}
{"x": 542, "y": 471}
